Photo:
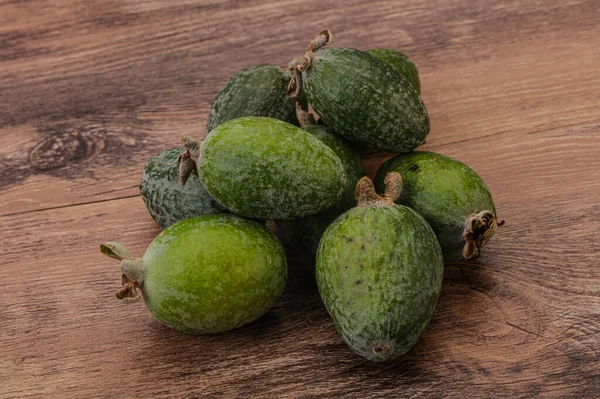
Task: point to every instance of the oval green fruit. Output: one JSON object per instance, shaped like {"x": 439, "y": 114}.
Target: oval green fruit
{"x": 379, "y": 272}
{"x": 168, "y": 201}
{"x": 362, "y": 97}
{"x": 268, "y": 169}
{"x": 402, "y": 63}
{"x": 450, "y": 196}
{"x": 256, "y": 91}
{"x": 207, "y": 274}
{"x": 305, "y": 233}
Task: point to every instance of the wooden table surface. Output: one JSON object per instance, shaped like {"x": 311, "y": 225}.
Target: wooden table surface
{"x": 89, "y": 90}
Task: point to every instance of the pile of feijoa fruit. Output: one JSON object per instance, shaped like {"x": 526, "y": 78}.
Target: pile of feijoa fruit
{"x": 282, "y": 145}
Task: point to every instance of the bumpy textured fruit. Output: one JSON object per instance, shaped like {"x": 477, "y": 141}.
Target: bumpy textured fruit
{"x": 306, "y": 232}
{"x": 168, "y": 201}
{"x": 450, "y": 196}
{"x": 268, "y": 169}
{"x": 379, "y": 272}
{"x": 362, "y": 97}
{"x": 207, "y": 274}
{"x": 402, "y": 63}
{"x": 255, "y": 91}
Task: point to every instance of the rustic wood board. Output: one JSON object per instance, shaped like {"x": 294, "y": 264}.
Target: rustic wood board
{"x": 89, "y": 90}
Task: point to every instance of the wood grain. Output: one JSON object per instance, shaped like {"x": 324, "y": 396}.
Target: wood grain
{"x": 89, "y": 90}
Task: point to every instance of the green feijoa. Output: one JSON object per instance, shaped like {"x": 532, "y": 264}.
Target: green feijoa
{"x": 206, "y": 274}
{"x": 305, "y": 233}
{"x": 362, "y": 97}
{"x": 256, "y": 91}
{"x": 267, "y": 169}
{"x": 402, "y": 63}
{"x": 168, "y": 201}
{"x": 379, "y": 271}
{"x": 450, "y": 196}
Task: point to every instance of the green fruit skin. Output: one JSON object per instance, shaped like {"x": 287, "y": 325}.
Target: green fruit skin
{"x": 305, "y": 233}
{"x": 402, "y": 63}
{"x": 256, "y": 91}
{"x": 365, "y": 100}
{"x": 213, "y": 273}
{"x": 167, "y": 201}
{"x": 268, "y": 169}
{"x": 443, "y": 190}
{"x": 379, "y": 272}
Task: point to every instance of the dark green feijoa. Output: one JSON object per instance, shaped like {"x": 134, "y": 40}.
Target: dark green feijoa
{"x": 265, "y": 168}
{"x": 255, "y": 91}
{"x": 362, "y": 97}
{"x": 206, "y": 274}
{"x": 450, "y": 196}
{"x": 379, "y": 272}
{"x": 168, "y": 201}
{"x": 402, "y": 63}
{"x": 305, "y": 233}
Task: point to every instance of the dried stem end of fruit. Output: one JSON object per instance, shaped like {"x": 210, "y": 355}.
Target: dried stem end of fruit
{"x": 188, "y": 160}
{"x": 478, "y": 230}
{"x": 132, "y": 268}
{"x": 367, "y": 196}
{"x": 301, "y": 64}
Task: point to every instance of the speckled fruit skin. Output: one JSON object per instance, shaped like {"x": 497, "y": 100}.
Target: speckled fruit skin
{"x": 305, "y": 233}
{"x": 256, "y": 91}
{"x": 379, "y": 272}
{"x": 213, "y": 273}
{"x": 402, "y": 63}
{"x": 365, "y": 100}
{"x": 444, "y": 191}
{"x": 268, "y": 169}
{"x": 168, "y": 201}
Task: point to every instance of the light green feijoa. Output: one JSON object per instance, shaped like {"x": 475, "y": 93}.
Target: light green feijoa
{"x": 450, "y": 196}
{"x": 168, "y": 201}
{"x": 207, "y": 274}
{"x": 379, "y": 271}
{"x": 266, "y": 169}
{"x": 256, "y": 91}
{"x": 305, "y": 233}
{"x": 363, "y": 98}
{"x": 401, "y": 62}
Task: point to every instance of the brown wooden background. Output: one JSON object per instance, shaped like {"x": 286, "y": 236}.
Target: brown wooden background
{"x": 89, "y": 90}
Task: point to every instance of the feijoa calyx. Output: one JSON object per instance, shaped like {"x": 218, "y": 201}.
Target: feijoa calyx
{"x": 451, "y": 196}
{"x": 265, "y": 168}
{"x": 206, "y": 274}
{"x": 379, "y": 271}
{"x": 305, "y": 233}
{"x": 168, "y": 201}
{"x": 360, "y": 96}
{"x": 255, "y": 91}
